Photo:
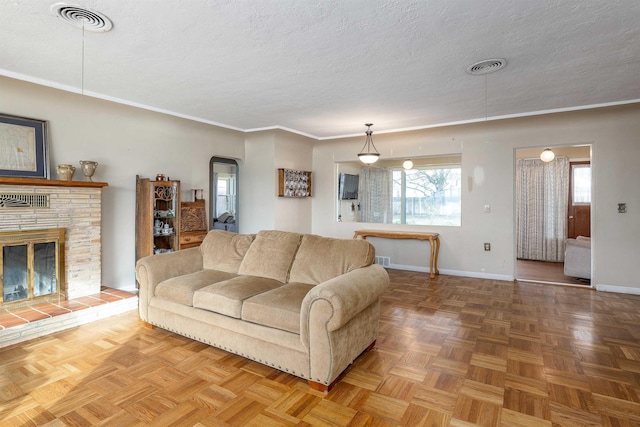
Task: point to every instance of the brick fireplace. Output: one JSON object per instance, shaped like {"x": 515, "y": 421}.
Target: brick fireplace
{"x": 76, "y": 207}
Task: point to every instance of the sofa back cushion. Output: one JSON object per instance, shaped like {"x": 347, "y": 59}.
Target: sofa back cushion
{"x": 322, "y": 258}
{"x": 271, "y": 255}
{"x": 224, "y": 251}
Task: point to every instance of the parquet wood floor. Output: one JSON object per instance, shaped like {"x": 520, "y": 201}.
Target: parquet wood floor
{"x": 545, "y": 272}
{"x": 452, "y": 351}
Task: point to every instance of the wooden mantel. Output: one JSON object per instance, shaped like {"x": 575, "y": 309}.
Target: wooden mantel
{"x": 9, "y": 180}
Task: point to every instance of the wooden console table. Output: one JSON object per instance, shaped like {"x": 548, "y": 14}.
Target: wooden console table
{"x": 433, "y": 238}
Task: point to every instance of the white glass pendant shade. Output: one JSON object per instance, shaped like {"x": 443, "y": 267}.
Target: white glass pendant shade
{"x": 369, "y": 158}
{"x": 369, "y": 154}
{"x": 547, "y": 155}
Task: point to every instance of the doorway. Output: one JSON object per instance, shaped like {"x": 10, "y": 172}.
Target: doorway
{"x": 579, "y": 200}
{"x": 540, "y": 243}
{"x": 223, "y": 209}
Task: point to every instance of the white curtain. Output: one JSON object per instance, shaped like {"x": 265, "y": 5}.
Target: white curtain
{"x": 375, "y": 194}
{"x": 542, "y": 198}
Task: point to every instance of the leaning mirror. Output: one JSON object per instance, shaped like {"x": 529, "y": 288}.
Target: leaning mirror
{"x": 224, "y": 194}
{"x": 424, "y": 191}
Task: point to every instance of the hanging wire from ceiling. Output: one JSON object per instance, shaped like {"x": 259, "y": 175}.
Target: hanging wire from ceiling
{"x": 482, "y": 68}
{"x": 82, "y": 65}
{"x": 486, "y": 100}
{"x": 85, "y": 19}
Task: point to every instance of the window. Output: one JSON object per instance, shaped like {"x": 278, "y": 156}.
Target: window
{"x": 427, "y": 195}
{"x": 581, "y": 181}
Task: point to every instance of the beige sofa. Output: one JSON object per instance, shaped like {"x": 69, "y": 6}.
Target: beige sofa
{"x": 304, "y": 304}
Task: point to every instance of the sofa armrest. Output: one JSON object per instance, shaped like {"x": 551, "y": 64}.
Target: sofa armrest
{"x": 339, "y": 320}
{"x": 154, "y": 269}
{"x": 344, "y": 297}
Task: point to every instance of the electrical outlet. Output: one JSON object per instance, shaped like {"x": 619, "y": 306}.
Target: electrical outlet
{"x": 622, "y": 208}
{"x": 487, "y": 246}
{"x": 487, "y": 208}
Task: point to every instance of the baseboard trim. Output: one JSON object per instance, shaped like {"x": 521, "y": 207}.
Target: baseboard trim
{"x": 509, "y": 278}
{"x": 618, "y": 289}
{"x": 477, "y": 275}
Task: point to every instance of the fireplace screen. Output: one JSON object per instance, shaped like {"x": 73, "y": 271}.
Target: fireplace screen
{"x": 31, "y": 265}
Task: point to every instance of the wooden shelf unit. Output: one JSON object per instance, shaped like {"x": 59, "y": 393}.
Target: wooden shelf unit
{"x": 157, "y": 201}
{"x": 294, "y": 183}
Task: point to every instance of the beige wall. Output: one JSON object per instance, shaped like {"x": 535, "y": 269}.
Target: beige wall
{"x": 125, "y": 141}
{"x": 294, "y": 152}
{"x": 260, "y": 206}
{"x": 257, "y": 181}
{"x": 488, "y": 153}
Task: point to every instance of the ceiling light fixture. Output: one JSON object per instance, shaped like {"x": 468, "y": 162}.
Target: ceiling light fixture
{"x": 407, "y": 164}
{"x": 366, "y": 155}
{"x": 547, "y": 155}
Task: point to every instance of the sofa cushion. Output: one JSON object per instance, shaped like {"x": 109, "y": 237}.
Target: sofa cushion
{"x": 278, "y": 308}
{"x": 227, "y": 297}
{"x": 223, "y": 250}
{"x": 322, "y": 258}
{"x": 181, "y": 288}
{"x": 271, "y": 255}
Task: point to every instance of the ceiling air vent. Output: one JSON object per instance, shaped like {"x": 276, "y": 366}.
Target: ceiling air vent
{"x": 82, "y": 17}
{"x": 487, "y": 66}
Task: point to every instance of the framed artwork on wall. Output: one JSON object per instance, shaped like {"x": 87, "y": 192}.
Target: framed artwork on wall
{"x": 24, "y": 150}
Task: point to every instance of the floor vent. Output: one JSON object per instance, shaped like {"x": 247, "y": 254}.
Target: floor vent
{"x": 384, "y": 261}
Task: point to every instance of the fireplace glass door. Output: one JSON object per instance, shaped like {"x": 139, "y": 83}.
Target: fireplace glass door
{"x": 31, "y": 270}
{"x": 15, "y": 273}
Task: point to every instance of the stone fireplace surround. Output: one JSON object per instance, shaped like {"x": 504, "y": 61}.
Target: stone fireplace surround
{"x": 75, "y": 206}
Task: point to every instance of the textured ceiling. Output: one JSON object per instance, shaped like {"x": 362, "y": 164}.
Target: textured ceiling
{"x": 324, "y": 68}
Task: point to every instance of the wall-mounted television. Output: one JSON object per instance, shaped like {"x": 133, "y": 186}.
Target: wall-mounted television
{"x": 348, "y": 186}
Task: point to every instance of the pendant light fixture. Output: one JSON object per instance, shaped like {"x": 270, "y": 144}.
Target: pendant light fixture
{"x": 547, "y": 155}
{"x": 369, "y": 154}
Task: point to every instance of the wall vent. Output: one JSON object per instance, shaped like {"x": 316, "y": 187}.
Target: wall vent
{"x": 17, "y": 200}
{"x": 384, "y": 261}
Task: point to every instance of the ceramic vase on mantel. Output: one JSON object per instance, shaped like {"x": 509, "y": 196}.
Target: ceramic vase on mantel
{"x": 88, "y": 168}
{"x": 65, "y": 172}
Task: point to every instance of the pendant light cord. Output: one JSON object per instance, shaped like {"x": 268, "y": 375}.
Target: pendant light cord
{"x": 82, "y": 65}
{"x": 486, "y": 108}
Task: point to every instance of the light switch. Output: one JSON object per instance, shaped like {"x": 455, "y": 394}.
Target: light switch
{"x": 487, "y": 208}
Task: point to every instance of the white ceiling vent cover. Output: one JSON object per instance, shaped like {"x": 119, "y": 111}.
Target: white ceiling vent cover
{"x": 82, "y": 17}
{"x": 487, "y": 66}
